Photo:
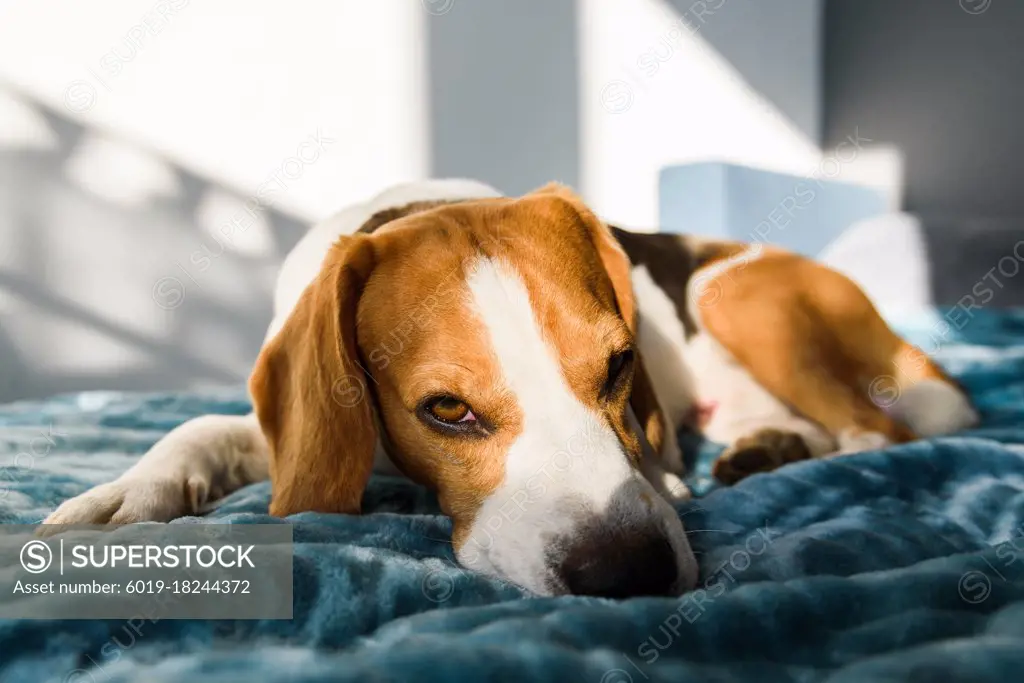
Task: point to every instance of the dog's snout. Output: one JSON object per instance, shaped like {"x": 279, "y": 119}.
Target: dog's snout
{"x": 630, "y": 543}
{"x": 610, "y": 566}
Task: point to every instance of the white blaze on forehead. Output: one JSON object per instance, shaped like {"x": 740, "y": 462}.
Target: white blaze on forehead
{"x": 561, "y": 438}
{"x": 565, "y": 465}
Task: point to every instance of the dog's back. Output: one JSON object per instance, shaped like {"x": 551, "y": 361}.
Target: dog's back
{"x": 778, "y": 356}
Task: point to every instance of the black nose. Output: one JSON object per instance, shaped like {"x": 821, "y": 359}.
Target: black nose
{"x": 610, "y": 566}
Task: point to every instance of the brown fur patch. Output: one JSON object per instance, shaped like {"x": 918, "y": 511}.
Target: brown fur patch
{"x": 809, "y": 336}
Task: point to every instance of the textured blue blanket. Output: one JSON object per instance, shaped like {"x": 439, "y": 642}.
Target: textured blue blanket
{"x": 900, "y": 565}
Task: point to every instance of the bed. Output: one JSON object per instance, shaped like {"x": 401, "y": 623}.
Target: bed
{"x": 905, "y": 564}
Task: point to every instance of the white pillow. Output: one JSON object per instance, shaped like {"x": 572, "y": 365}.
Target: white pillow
{"x": 888, "y": 257}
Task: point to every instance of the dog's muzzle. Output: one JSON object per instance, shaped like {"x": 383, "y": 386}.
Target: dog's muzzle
{"x": 629, "y": 550}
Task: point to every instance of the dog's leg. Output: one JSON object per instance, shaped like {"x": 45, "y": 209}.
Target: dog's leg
{"x": 811, "y": 338}
{"x": 195, "y": 464}
{"x": 766, "y": 449}
{"x": 761, "y": 432}
{"x": 805, "y": 333}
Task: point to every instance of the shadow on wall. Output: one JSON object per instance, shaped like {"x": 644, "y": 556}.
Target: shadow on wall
{"x": 122, "y": 271}
{"x": 742, "y": 30}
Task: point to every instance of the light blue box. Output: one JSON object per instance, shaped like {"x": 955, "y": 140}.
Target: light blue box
{"x": 750, "y": 205}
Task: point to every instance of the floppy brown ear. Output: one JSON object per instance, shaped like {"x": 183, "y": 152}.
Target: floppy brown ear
{"x": 643, "y": 401}
{"x": 616, "y": 263}
{"x": 311, "y": 396}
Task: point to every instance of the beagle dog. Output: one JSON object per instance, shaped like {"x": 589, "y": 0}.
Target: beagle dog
{"x": 532, "y": 365}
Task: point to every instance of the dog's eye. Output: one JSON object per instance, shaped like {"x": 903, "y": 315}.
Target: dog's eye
{"x": 619, "y": 365}
{"x": 450, "y": 410}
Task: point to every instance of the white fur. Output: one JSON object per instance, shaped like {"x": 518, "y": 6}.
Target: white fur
{"x": 744, "y": 406}
{"x": 684, "y": 371}
{"x": 851, "y": 441}
{"x": 663, "y": 347}
{"x": 566, "y": 463}
{"x": 932, "y": 407}
{"x": 195, "y": 464}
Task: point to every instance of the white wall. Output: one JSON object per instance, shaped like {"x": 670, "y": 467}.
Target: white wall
{"x": 658, "y": 88}
{"x": 155, "y": 155}
{"x": 231, "y": 88}
{"x": 135, "y": 135}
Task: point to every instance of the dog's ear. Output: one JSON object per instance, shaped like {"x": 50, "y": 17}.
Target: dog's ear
{"x": 643, "y": 401}
{"x": 616, "y": 263}
{"x": 312, "y": 397}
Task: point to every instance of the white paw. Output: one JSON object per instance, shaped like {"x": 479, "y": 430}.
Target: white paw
{"x": 674, "y": 489}
{"x": 854, "y": 442}
{"x": 131, "y": 499}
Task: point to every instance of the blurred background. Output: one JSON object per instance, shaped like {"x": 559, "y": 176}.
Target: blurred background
{"x": 158, "y": 158}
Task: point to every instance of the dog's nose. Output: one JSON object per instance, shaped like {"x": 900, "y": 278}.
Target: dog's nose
{"x": 614, "y": 567}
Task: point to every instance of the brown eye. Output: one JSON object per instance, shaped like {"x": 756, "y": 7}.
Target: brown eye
{"x": 450, "y": 410}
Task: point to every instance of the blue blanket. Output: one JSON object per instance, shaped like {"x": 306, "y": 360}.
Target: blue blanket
{"x": 900, "y": 565}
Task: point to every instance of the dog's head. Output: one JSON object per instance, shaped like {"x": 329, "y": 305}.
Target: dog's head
{"x": 490, "y": 347}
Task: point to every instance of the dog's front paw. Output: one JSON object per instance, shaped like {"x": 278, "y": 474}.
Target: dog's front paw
{"x": 665, "y": 483}
{"x": 854, "y": 441}
{"x": 129, "y": 500}
{"x": 675, "y": 489}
